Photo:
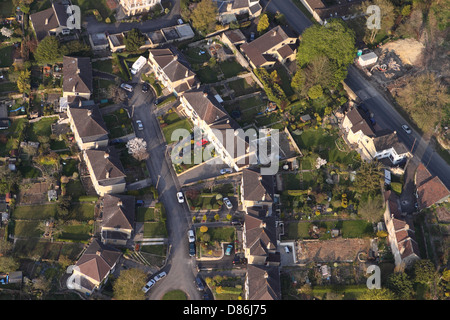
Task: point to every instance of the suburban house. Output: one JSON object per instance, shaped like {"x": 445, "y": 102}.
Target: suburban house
{"x": 170, "y": 34}
{"x": 117, "y": 219}
{"x": 262, "y": 283}
{"x": 94, "y": 266}
{"x": 217, "y": 127}
{"x": 172, "y": 69}
{"x": 257, "y": 190}
{"x": 401, "y": 237}
{"x": 429, "y": 190}
{"x": 88, "y": 127}
{"x": 106, "y": 170}
{"x": 328, "y": 9}
{"x": 276, "y": 45}
{"x": 259, "y": 239}
{"x": 134, "y": 7}
{"x": 360, "y": 134}
{"x": 50, "y": 22}
{"x": 230, "y": 10}
{"x": 234, "y": 38}
{"x": 98, "y": 41}
{"x": 77, "y": 78}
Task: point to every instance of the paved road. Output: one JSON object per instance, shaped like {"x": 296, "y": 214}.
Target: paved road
{"x": 93, "y": 26}
{"x": 181, "y": 269}
{"x": 385, "y": 114}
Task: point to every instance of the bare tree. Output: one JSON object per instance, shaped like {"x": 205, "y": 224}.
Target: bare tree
{"x": 137, "y": 147}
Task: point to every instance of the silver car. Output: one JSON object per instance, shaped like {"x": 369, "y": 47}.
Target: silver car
{"x": 140, "y": 125}
{"x": 227, "y": 203}
{"x": 148, "y": 285}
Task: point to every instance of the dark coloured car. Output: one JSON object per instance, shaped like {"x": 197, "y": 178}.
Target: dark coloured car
{"x": 139, "y": 203}
{"x": 145, "y": 87}
{"x": 191, "y": 249}
{"x": 199, "y": 283}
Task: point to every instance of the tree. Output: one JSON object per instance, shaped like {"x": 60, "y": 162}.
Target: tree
{"x": 23, "y": 81}
{"x": 203, "y": 229}
{"x": 387, "y": 18}
{"x": 8, "y": 264}
{"x": 204, "y": 16}
{"x": 298, "y": 82}
{"x": 76, "y": 48}
{"x": 372, "y": 209}
{"x": 134, "y": 39}
{"x": 424, "y": 271}
{"x": 128, "y": 285}
{"x": 137, "y": 147}
{"x": 377, "y": 294}
{"x": 369, "y": 178}
{"x": 315, "y": 92}
{"x": 48, "y": 50}
{"x": 334, "y": 41}
{"x": 6, "y": 32}
{"x": 263, "y": 23}
{"x": 64, "y": 205}
{"x": 400, "y": 284}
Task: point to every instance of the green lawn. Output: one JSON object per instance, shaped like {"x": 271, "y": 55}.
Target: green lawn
{"x": 27, "y": 228}
{"x": 79, "y": 232}
{"x": 207, "y": 75}
{"x": 42, "y": 127}
{"x": 193, "y": 56}
{"x": 14, "y": 135}
{"x": 175, "y": 295}
{"x": 242, "y": 87}
{"x": 182, "y": 124}
{"x": 230, "y": 68}
{"x": 103, "y": 65}
{"x": 155, "y": 230}
{"x": 35, "y": 212}
{"x": 221, "y": 234}
{"x": 7, "y": 87}
{"x": 82, "y": 211}
{"x": 118, "y": 123}
{"x": 75, "y": 189}
{"x": 145, "y": 214}
{"x": 70, "y": 166}
{"x": 6, "y": 56}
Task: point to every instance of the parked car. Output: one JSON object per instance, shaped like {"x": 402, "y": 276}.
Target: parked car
{"x": 286, "y": 249}
{"x": 236, "y": 222}
{"x": 191, "y": 235}
{"x": 226, "y": 170}
{"x": 199, "y": 283}
{"x": 127, "y": 87}
{"x": 180, "y": 21}
{"x": 227, "y": 203}
{"x": 252, "y": 36}
{"x": 191, "y": 249}
{"x": 140, "y": 125}
{"x": 160, "y": 275}
{"x": 148, "y": 285}
{"x": 180, "y": 197}
{"x": 406, "y": 128}
{"x": 145, "y": 87}
{"x": 228, "y": 250}
{"x": 139, "y": 203}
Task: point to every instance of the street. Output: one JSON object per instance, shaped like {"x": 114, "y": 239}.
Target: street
{"x": 385, "y": 114}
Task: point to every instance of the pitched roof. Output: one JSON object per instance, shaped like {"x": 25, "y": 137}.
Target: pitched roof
{"x": 389, "y": 140}
{"x": 173, "y": 63}
{"x": 46, "y": 20}
{"x": 260, "y": 234}
{"x": 88, "y": 121}
{"x": 287, "y": 50}
{"x": 118, "y": 212}
{"x": 205, "y": 105}
{"x": 77, "y": 74}
{"x": 263, "y": 282}
{"x": 98, "y": 260}
{"x": 394, "y": 203}
{"x": 106, "y": 164}
{"x": 325, "y": 8}
{"x": 431, "y": 192}
{"x": 360, "y": 122}
{"x": 257, "y": 50}
{"x": 235, "y": 35}
{"x": 257, "y": 187}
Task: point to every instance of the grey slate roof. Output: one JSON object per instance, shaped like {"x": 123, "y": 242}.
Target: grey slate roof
{"x": 257, "y": 187}
{"x": 46, "y": 20}
{"x": 105, "y": 164}
{"x": 77, "y": 73}
{"x": 89, "y": 122}
{"x": 118, "y": 211}
{"x": 263, "y": 282}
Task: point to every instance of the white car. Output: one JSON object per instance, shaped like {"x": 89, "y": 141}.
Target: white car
{"x": 191, "y": 236}
{"x": 226, "y": 170}
{"x": 180, "y": 197}
{"x": 160, "y": 276}
{"x": 406, "y": 128}
{"x": 148, "y": 285}
{"x": 127, "y": 87}
{"x": 140, "y": 125}
{"x": 180, "y": 21}
{"x": 227, "y": 203}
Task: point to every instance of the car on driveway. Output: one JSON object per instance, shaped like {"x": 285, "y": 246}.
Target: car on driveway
{"x": 126, "y": 87}
{"x": 140, "y": 125}
{"x": 191, "y": 235}
{"x": 406, "y": 128}
{"x": 199, "y": 283}
{"x": 148, "y": 285}
{"x": 226, "y": 170}
{"x": 145, "y": 87}
{"x": 229, "y": 249}
{"x": 180, "y": 197}
{"x": 228, "y": 203}
{"x": 160, "y": 275}
{"x": 191, "y": 249}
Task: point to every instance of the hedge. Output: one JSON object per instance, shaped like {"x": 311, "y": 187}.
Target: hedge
{"x": 295, "y": 193}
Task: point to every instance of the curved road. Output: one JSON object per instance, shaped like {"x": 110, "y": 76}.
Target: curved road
{"x": 180, "y": 268}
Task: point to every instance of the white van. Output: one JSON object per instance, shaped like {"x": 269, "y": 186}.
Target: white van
{"x": 138, "y": 64}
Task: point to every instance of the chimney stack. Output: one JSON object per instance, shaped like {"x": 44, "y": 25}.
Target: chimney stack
{"x": 89, "y": 113}
{"x": 99, "y": 253}
{"x": 119, "y": 203}
{"x": 78, "y": 71}
{"x": 46, "y": 21}
{"x": 106, "y": 155}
